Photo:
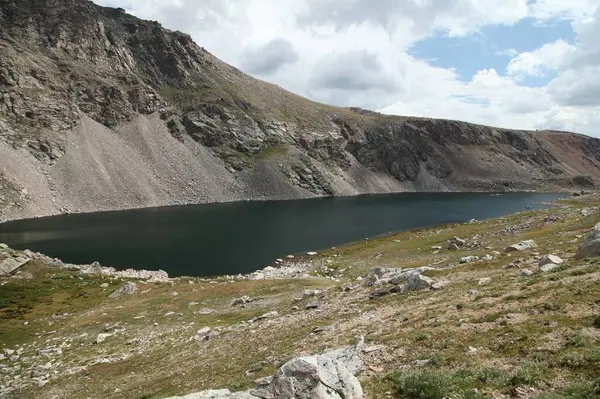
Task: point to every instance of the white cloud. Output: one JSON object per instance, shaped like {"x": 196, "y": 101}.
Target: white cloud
{"x": 550, "y": 56}
{"x": 354, "y": 52}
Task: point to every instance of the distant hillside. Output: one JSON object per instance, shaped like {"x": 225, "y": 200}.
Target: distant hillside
{"x": 100, "y": 110}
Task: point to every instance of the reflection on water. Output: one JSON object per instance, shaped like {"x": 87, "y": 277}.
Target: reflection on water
{"x": 241, "y": 237}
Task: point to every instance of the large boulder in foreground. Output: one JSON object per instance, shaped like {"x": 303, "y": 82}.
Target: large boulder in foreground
{"x": 326, "y": 376}
{"x": 591, "y": 245}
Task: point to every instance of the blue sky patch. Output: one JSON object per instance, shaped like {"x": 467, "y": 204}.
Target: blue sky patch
{"x": 492, "y": 47}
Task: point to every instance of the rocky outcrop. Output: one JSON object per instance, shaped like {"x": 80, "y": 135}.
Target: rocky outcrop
{"x": 326, "y": 376}
{"x": 180, "y": 126}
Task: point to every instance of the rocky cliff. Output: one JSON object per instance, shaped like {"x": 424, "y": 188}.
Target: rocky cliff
{"x": 100, "y": 110}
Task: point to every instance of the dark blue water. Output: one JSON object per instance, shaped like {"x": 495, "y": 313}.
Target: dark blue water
{"x": 212, "y": 239}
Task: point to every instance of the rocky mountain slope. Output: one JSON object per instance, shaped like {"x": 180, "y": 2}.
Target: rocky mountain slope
{"x": 100, "y": 110}
{"x": 507, "y": 308}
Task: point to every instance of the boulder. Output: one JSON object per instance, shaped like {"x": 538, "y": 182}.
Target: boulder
{"x": 311, "y": 293}
{"x": 94, "y": 268}
{"x": 9, "y": 265}
{"x": 381, "y": 275}
{"x": 102, "y": 337}
{"x": 456, "y": 243}
{"x": 127, "y": 288}
{"x": 417, "y": 282}
{"x": 266, "y": 316}
{"x": 590, "y": 247}
{"x": 312, "y": 305}
{"x": 242, "y": 300}
{"x": 522, "y": 246}
{"x": 550, "y": 260}
{"x": 326, "y": 376}
{"x": 381, "y": 292}
{"x": 469, "y": 259}
{"x": 204, "y": 334}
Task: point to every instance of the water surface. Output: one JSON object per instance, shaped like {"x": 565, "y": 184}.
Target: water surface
{"x": 231, "y": 238}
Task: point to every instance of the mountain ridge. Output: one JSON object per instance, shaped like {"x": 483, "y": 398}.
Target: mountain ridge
{"x": 101, "y": 110}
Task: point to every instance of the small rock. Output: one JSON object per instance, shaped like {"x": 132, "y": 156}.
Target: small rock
{"x": 311, "y": 293}
{"x": 102, "y": 337}
{"x": 267, "y": 316}
{"x": 550, "y": 260}
{"x": 127, "y": 288}
{"x": 456, "y": 243}
{"x": 522, "y": 246}
{"x": 382, "y": 275}
{"x": 469, "y": 259}
{"x": 440, "y": 284}
{"x": 548, "y": 267}
{"x": 526, "y": 273}
{"x": 418, "y": 282}
{"x": 104, "y": 285}
{"x": 312, "y": 305}
{"x": 290, "y": 256}
{"x": 311, "y": 253}
{"x": 386, "y": 291}
{"x": 484, "y": 281}
{"x": 204, "y": 334}
{"x": 242, "y": 300}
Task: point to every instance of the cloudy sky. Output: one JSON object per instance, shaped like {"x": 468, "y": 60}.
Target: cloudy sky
{"x": 513, "y": 63}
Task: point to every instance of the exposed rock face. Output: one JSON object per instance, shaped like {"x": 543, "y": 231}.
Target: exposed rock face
{"x": 591, "y": 245}
{"x": 177, "y": 125}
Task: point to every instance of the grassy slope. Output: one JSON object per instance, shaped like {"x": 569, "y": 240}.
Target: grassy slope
{"x": 532, "y": 336}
